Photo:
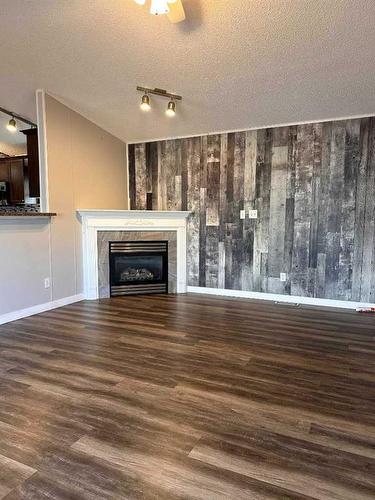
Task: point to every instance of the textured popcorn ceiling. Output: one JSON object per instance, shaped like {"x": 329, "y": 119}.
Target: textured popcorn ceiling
{"x": 237, "y": 63}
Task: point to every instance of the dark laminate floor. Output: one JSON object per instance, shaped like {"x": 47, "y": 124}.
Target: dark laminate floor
{"x": 187, "y": 397}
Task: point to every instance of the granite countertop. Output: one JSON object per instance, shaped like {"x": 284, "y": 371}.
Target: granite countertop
{"x": 21, "y": 213}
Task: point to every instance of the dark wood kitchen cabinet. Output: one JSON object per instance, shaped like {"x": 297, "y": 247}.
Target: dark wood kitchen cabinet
{"x": 12, "y": 171}
{"x": 22, "y": 172}
{"x": 4, "y": 170}
{"x": 16, "y": 180}
{"x": 33, "y": 161}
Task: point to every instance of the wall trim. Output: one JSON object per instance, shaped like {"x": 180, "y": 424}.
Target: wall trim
{"x": 127, "y": 175}
{"x": 290, "y": 299}
{"x": 248, "y": 129}
{"x": 47, "y": 306}
{"x": 40, "y": 98}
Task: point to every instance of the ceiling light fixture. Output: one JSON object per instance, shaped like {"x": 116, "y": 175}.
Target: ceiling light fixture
{"x": 159, "y": 7}
{"x": 12, "y": 125}
{"x": 145, "y": 104}
{"x": 171, "y": 109}
{"x": 173, "y": 8}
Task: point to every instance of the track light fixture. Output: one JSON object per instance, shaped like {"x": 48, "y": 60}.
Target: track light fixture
{"x": 12, "y": 125}
{"x": 145, "y": 103}
{"x": 171, "y": 109}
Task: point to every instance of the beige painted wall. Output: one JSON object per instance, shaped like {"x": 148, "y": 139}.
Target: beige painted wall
{"x": 24, "y": 263}
{"x": 86, "y": 168}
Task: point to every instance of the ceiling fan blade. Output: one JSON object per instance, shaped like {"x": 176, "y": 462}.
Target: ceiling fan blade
{"x": 176, "y": 12}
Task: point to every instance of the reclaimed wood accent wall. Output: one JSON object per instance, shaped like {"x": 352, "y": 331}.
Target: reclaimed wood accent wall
{"x": 313, "y": 186}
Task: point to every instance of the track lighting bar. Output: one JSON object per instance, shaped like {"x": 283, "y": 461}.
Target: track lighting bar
{"x": 160, "y": 92}
{"x": 18, "y": 117}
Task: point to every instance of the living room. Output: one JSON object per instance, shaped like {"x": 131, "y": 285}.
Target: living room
{"x": 187, "y": 243}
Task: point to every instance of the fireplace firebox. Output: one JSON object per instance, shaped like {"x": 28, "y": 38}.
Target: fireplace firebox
{"x": 138, "y": 267}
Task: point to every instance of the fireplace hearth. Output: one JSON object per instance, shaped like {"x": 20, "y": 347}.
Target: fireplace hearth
{"x": 138, "y": 267}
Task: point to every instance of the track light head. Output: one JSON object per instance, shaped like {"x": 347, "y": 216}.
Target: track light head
{"x": 145, "y": 105}
{"x": 171, "y": 109}
{"x": 12, "y": 125}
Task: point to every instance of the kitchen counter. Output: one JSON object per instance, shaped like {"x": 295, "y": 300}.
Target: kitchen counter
{"x": 11, "y": 213}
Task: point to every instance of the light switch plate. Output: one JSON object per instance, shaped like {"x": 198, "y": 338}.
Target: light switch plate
{"x": 282, "y": 276}
{"x": 253, "y": 214}
{"x": 47, "y": 283}
{"x": 242, "y": 214}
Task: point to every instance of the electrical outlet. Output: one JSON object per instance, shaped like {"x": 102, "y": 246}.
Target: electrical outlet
{"x": 253, "y": 214}
{"x": 242, "y": 214}
{"x": 282, "y": 276}
{"x": 47, "y": 283}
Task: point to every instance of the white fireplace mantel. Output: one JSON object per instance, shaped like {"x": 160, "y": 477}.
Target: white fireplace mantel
{"x": 94, "y": 220}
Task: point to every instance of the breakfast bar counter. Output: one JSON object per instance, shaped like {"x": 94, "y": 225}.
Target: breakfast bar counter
{"x": 11, "y": 213}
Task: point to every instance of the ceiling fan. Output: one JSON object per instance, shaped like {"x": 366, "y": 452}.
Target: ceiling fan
{"x": 172, "y": 8}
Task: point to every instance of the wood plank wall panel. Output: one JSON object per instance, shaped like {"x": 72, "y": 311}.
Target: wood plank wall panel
{"x": 313, "y": 186}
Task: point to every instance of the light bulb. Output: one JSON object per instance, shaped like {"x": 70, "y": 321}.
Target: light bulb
{"x": 12, "y": 125}
{"x": 171, "y": 110}
{"x": 145, "y": 105}
{"x": 159, "y": 7}
{"x": 140, "y": 2}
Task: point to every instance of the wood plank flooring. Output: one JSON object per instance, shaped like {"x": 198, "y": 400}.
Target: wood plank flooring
{"x": 187, "y": 397}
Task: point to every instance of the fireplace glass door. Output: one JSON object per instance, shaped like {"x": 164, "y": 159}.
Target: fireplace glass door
{"x": 138, "y": 267}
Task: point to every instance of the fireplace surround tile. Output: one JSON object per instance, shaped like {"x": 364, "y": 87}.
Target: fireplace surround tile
{"x": 103, "y": 239}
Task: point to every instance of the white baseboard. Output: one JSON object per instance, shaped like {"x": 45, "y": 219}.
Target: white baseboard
{"x": 47, "y": 306}
{"x": 291, "y": 299}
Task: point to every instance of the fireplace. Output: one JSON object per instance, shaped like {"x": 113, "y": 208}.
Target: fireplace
{"x": 138, "y": 267}
{"x": 99, "y": 227}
